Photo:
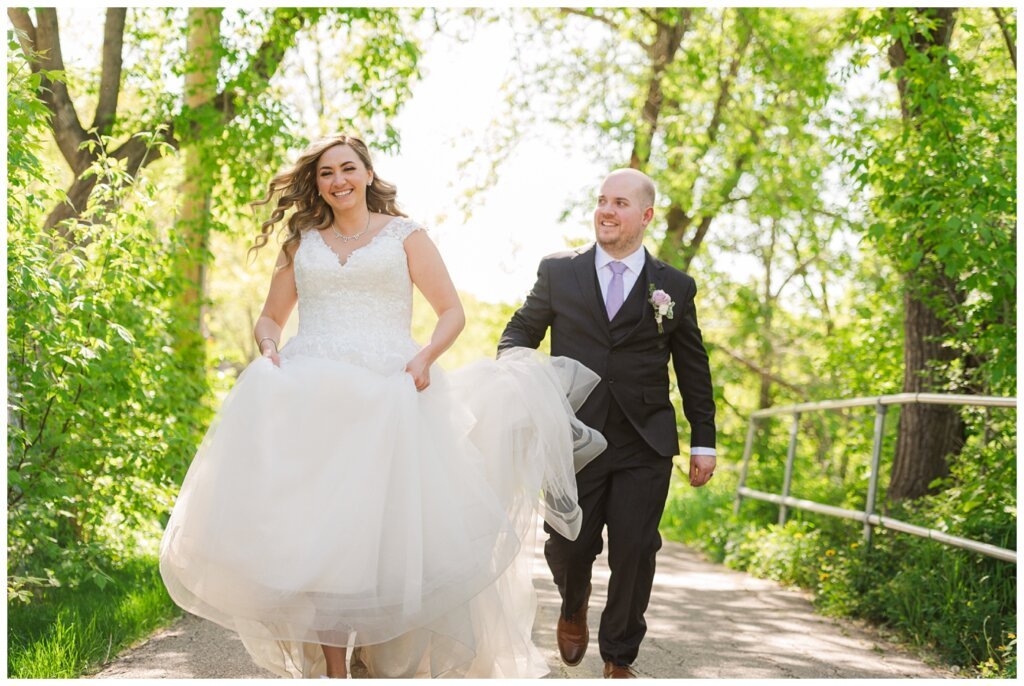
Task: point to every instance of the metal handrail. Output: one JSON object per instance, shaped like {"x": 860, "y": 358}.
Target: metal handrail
{"x": 868, "y": 516}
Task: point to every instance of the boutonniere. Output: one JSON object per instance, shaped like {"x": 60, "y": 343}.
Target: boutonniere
{"x": 662, "y": 304}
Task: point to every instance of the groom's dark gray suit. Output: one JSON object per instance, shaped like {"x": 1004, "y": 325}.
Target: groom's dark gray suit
{"x": 627, "y": 485}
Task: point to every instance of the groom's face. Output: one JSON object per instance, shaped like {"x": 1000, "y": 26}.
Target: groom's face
{"x": 620, "y": 216}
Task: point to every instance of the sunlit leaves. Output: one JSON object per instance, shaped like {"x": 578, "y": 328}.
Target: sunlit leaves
{"x": 93, "y": 428}
{"x": 943, "y": 181}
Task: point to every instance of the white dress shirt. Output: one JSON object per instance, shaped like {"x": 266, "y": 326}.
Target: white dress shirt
{"x": 634, "y": 264}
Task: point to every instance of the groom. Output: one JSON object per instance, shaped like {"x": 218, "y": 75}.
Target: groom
{"x": 623, "y": 314}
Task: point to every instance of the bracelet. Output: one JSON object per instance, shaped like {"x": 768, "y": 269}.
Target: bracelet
{"x": 266, "y": 338}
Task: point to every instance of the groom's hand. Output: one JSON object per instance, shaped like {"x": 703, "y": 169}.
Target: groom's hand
{"x": 702, "y": 467}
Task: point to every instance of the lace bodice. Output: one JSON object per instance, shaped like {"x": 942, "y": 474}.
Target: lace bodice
{"x": 359, "y": 311}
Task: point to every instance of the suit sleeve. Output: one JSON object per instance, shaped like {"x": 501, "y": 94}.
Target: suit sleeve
{"x": 530, "y": 323}
{"x": 690, "y": 360}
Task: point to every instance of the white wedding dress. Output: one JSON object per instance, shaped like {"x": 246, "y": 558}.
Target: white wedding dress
{"x": 332, "y": 503}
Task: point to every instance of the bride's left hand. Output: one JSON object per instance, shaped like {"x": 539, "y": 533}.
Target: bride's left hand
{"x": 419, "y": 369}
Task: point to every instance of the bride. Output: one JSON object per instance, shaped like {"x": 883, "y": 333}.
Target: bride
{"x": 348, "y": 495}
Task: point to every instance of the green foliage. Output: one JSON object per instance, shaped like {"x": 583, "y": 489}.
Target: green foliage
{"x": 939, "y": 207}
{"x": 71, "y": 632}
{"x": 95, "y": 441}
{"x": 25, "y": 115}
{"x": 703, "y": 514}
{"x": 959, "y": 603}
{"x": 942, "y": 178}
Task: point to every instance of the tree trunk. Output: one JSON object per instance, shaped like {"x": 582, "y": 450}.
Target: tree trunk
{"x": 1011, "y": 44}
{"x": 677, "y": 248}
{"x": 928, "y": 434}
{"x": 193, "y": 222}
{"x": 662, "y": 52}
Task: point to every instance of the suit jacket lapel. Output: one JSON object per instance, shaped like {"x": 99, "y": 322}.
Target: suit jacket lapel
{"x": 583, "y": 265}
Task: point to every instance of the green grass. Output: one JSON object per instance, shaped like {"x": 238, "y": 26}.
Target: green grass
{"x": 73, "y": 631}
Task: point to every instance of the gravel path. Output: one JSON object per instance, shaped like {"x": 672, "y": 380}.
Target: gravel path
{"x": 705, "y": 621}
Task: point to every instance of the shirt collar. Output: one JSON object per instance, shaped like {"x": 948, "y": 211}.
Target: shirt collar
{"x": 634, "y": 261}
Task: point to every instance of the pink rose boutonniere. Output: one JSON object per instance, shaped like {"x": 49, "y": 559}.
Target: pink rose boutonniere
{"x": 662, "y": 304}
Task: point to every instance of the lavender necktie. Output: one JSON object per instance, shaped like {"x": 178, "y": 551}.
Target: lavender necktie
{"x": 616, "y": 292}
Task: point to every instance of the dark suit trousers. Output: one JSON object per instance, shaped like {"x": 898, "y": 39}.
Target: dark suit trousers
{"x": 624, "y": 488}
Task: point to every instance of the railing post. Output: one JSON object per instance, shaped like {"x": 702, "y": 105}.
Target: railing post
{"x": 788, "y": 478}
{"x": 876, "y": 455}
{"x": 748, "y": 448}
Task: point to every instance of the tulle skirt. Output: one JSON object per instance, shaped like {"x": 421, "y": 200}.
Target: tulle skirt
{"x": 330, "y": 503}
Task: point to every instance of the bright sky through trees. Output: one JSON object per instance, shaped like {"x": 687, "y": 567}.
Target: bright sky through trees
{"x": 494, "y": 254}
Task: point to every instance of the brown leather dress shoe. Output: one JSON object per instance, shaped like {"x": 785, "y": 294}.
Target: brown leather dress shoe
{"x": 614, "y": 671}
{"x": 573, "y": 634}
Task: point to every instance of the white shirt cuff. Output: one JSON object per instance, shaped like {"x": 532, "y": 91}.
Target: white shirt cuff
{"x": 697, "y": 450}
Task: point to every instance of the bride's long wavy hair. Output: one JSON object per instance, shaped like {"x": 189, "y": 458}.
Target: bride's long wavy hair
{"x": 297, "y": 188}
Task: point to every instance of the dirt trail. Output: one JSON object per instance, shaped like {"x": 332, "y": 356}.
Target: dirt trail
{"x": 705, "y": 621}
